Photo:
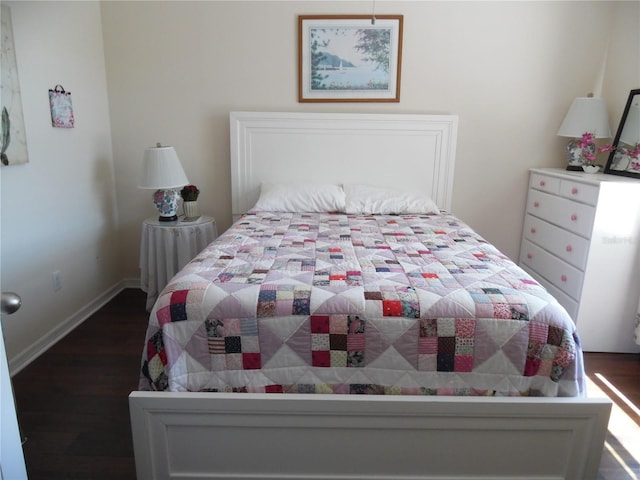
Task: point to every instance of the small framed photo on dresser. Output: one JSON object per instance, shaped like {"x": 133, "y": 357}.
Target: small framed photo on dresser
{"x": 624, "y": 159}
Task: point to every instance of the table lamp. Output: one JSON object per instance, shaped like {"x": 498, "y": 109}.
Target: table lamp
{"x": 586, "y": 115}
{"x": 162, "y": 172}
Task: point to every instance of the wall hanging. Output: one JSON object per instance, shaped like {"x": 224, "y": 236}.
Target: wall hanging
{"x": 13, "y": 146}
{"x": 61, "y": 108}
{"x": 349, "y": 58}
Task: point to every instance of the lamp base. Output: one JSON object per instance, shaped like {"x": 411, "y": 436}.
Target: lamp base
{"x": 574, "y": 152}
{"x": 166, "y": 201}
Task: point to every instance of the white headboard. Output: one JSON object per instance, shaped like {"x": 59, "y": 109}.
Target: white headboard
{"x": 414, "y": 152}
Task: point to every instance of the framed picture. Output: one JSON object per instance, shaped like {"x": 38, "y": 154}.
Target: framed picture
{"x": 625, "y": 158}
{"x": 13, "y": 137}
{"x": 349, "y": 58}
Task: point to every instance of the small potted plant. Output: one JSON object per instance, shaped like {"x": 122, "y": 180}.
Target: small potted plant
{"x": 189, "y": 195}
{"x": 590, "y": 152}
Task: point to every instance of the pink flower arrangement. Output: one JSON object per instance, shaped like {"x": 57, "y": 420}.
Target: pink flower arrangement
{"x": 589, "y": 151}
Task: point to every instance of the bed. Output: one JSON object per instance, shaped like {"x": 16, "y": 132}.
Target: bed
{"x": 360, "y": 356}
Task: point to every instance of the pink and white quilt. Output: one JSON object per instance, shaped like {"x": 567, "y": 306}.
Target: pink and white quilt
{"x": 359, "y": 304}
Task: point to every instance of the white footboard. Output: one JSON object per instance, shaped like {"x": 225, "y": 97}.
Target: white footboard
{"x": 262, "y": 436}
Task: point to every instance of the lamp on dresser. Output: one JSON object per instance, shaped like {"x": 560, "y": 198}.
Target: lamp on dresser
{"x": 163, "y": 172}
{"x": 586, "y": 115}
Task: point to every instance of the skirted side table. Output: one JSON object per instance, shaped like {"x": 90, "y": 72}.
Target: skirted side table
{"x": 166, "y": 247}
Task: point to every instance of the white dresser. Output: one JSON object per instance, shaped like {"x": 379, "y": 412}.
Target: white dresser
{"x": 581, "y": 240}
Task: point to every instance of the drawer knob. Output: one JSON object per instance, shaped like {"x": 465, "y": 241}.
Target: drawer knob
{"x": 574, "y": 191}
{"x": 569, "y": 248}
{"x": 563, "y": 278}
{"x": 529, "y": 256}
{"x": 574, "y": 217}
{"x": 533, "y": 230}
{"x": 536, "y": 204}
{"x": 542, "y": 183}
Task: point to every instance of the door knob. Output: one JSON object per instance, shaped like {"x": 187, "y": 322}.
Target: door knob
{"x": 10, "y": 302}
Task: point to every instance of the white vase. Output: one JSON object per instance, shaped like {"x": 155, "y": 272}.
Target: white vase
{"x": 190, "y": 209}
{"x": 591, "y": 168}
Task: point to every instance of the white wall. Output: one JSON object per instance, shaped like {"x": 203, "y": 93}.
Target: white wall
{"x": 58, "y": 210}
{"x": 623, "y": 60}
{"x": 510, "y": 70}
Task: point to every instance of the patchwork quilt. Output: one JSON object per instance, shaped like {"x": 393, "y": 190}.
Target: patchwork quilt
{"x": 352, "y": 304}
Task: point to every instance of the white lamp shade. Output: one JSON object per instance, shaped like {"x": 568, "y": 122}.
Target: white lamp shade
{"x": 631, "y": 130}
{"x": 161, "y": 169}
{"x": 586, "y": 115}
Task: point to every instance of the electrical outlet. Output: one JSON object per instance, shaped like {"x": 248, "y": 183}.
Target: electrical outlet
{"x": 57, "y": 281}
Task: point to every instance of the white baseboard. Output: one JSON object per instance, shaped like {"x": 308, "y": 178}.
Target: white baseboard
{"x": 130, "y": 283}
{"x": 28, "y": 355}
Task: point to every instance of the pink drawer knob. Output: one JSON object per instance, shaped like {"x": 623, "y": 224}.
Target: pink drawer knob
{"x": 563, "y": 278}
{"x": 574, "y": 191}
{"x": 533, "y": 230}
{"x": 569, "y": 248}
{"x": 529, "y": 256}
{"x": 536, "y": 204}
{"x": 574, "y": 217}
{"x": 542, "y": 183}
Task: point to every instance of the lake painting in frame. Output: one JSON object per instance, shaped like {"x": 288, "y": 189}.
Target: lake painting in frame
{"x": 349, "y": 58}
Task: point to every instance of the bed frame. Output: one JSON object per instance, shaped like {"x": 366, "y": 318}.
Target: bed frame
{"x": 258, "y": 436}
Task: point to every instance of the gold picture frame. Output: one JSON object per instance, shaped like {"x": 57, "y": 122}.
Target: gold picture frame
{"x": 349, "y": 58}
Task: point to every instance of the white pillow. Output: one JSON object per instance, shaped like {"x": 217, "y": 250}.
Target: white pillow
{"x": 318, "y": 198}
{"x": 370, "y": 200}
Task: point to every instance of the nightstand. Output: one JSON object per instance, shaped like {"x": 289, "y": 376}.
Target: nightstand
{"x": 166, "y": 247}
{"x": 581, "y": 240}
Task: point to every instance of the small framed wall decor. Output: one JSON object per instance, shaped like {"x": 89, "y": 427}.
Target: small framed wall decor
{"x": 349, "y": 58}
{"x": 13, "y": 137}
{"x": 61, "y": 108}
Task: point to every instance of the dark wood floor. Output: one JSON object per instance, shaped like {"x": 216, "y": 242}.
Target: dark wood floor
{"x": 621, "y": 371}
{"x": 73, "y": 408}
{"x": 72, "y": 401}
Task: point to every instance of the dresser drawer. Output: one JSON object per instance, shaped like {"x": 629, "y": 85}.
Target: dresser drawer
{"x": 544, "y": 183}
{"x": 562, "y": 243}
{"x": 580, "y": 192}
{"x": 573, "y": 216}
{"x": 560, "y": 274}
